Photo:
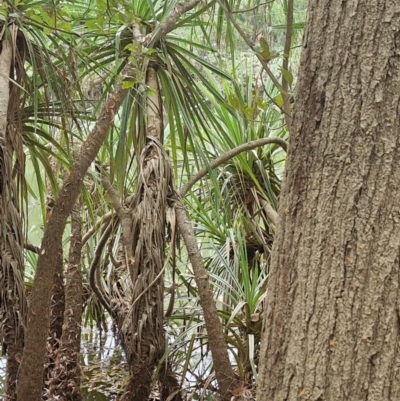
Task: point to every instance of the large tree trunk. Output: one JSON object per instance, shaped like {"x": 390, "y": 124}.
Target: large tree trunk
{"x": 332, "y": 316}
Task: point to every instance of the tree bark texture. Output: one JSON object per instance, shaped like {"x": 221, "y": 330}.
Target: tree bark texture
{"x": 332, "y": 319}
{"x": 227, "y": 382}
{"x": 142, "y": 331}
{"x": 66, "y": 375}
{"x": 5, "y": 65}
{"x": 56, "y": 319}
{"x": 30, "y": 375}
{"x": 12, "y": 287}
{"x": 39, "y": 302}
{"x": 58, "y": 291}
{"x": 144, "y": 336}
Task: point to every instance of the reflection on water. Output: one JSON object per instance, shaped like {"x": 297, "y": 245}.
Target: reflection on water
{"x": 95, "y": 396}
{"x": 102, "y": 364}
{"x": 2, "y": 375}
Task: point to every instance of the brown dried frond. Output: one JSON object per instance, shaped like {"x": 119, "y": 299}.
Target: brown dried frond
{"x": 144, "y": 323}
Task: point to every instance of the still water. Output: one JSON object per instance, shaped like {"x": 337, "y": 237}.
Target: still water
{"x": 102, "y": 365}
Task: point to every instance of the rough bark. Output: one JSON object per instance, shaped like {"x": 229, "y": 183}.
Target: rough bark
{"x": 137, "y": 292}
{"x": 139, "y": 277}
{"x": 142, "y": 331}
{"x": 332, "y": 320}
{"x": 170, "y": 387}
{"x": 12, "y": 288}
{"x": 66, "y": 375}
{"x": 56, "y": 319}
{"x": 144, "y": 336}
{"x": 56, "y": 315}
{"x": 58, "y": 291}
{"x": 227, "y": 382}
{"x": 39, "y": 301}
{"x": 5, "y": 65}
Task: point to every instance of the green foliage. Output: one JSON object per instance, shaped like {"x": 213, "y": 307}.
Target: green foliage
{"x": 216, "y": 96}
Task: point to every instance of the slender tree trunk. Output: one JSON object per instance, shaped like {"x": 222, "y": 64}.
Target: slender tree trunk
{"x": 57, "y": 307}
{"x": 12, "y": 289}
{"x": 66, "y": 375}
{"x": 142, "y": 259}
{"x": 332, "y": 319}
{"x": 5, "y": 66}
{"x": 227, "y": 382}
{"x": 144, "y": 336}
{"x": 38, "y": 313}
{"x": 30, "y": 374}
{"x": 57, "y": 292}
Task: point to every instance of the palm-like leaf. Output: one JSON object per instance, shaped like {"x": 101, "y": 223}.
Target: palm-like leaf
{"x": 212, "y": 104}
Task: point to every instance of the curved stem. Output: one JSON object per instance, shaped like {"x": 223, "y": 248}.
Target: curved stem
{"x": 94, "y": 285}
{"x": 229, "y": 155}
{"x": 104, "y": 220}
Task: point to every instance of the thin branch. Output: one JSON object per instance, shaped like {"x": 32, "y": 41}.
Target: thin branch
{"x": 247, "y": 10}
{"x": 285, "y": 62}
{"x": 229, "y": 155}
{"x": 104, "y": 220}
{"x": 32, "y": 248}
{"x": 169, "y": 23}
{"x": 114, "y": 198}
{"x": 250, "y": 44}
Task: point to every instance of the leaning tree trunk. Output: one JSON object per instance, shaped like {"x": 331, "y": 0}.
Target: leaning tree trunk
{"x": 38, "y": 319}
{"x": 332, "y": 319}
{"x": 12, "y": 289}
{"x": 30, "y": 373}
